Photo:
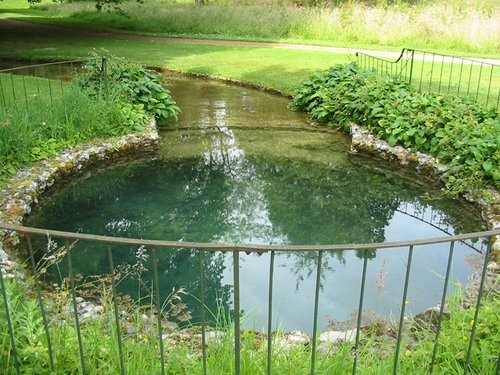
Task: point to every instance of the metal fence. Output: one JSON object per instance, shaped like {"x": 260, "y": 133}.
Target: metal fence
{"x": 154, "y": 247}
{"x": 25, "y": 85}
{"x": 432, "y": 72}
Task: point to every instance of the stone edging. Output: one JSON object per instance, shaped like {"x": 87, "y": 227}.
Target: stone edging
{"x": 24, "y": 189}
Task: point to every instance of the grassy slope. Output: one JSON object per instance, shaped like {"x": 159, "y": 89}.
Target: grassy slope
{"x": 279, "y": 69}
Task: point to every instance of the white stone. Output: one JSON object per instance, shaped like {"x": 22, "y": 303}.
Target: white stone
{"x": 330, "y": 337}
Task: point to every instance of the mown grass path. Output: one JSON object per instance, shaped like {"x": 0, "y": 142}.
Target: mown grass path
{"x": 76, "y": 31}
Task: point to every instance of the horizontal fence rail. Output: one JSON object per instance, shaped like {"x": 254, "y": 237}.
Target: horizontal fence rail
{"x": 156, "y": 247}
{"x": 441, "y": 74}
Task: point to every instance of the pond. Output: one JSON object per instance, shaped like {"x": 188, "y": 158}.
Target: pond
{"x": 241, "y": 167}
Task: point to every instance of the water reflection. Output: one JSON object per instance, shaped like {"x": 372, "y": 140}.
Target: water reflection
{"x": 240, "y": 167}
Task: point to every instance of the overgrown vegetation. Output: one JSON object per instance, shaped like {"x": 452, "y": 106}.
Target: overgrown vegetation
{"x": 183, "y": 348}
{"x": 467, "y": 26}
{"x": 457, "y": 131}
{"x": 137, "y": 89}
{"x": 40, "y": 117}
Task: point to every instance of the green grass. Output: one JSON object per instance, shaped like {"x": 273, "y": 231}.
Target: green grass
{"x": 441, "y": 25}
{"x": 183, "y": 354}
{"x": 275, "y": 68}
{"x": 281, "y": 69}
{"x": 40, "y": 117}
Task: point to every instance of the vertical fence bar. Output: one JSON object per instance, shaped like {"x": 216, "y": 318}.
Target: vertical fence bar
{"x": 403, "y": 305}
{"x": 451, "y": 74}
{"x": 441, "y": 308}
{"x": 360, "y": 311}
{"x": 412, "y": 58}
{"x": 40, "y": 302}
{"x": 50, "y": 92}
{"x": 406, "y": 67}
{"x": 479, "y": 81}
{"x": 498, "y": 99}
{"x": 478, "y": 304}
{"x": 9, "y": 323}
{"x": 421, "y": 72}
{"x": 460, "y": 77}
{"x": 25, "y": 94}
{"x": 60, "y": 79}
{"x": 37, "y": 79}
{"x": 470, "y": 78}
{"x": 13, "y": 88}
{"x": 315, "y": 317}
{"x": 104, "y": 73}
{"x": 3, "y": 93}
{"x": 236, "y": 281}
{"x": 156, "y": 287}
{"x": 489, "y": 85}
{"x": 432, "y": 71}
{"x": 75, "y": 309}
{"x": 270, "y": 313}
{"x": 201, "y": 261}
{"x": 115, "y": 307}
{"x": 441, "y": 75}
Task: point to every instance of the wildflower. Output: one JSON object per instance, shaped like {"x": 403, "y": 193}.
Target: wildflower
{"x": 407, "y": 302}
{"x": 472, "y": 322}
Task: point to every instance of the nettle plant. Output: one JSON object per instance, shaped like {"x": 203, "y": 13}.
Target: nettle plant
{"x": 457, "y": 131}
{"x": 141, "y": 92}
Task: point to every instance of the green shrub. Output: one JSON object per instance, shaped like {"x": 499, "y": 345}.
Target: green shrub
{"x": 131, "y": 84}
{"x": 457, "y": 131}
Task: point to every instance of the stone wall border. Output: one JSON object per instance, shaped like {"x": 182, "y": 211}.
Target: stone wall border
{"x": 25, "y": 188}
{"x": 364, "y": 142}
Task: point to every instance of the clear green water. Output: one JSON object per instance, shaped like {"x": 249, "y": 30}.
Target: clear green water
{"x": 241, "y": 167}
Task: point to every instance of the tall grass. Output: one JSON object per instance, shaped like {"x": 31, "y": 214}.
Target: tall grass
{"x": 468, "y": 26}
{"x": 183, "y": 347}
{"x": 35, "y": 124}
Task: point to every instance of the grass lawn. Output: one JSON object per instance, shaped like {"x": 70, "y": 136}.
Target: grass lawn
{"x": 276, "y": 68}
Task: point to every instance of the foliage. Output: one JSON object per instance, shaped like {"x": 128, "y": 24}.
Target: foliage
{"x": 137, "y": 88}
{"x": 458, "y": 132}
{"x": 39, "y": 117}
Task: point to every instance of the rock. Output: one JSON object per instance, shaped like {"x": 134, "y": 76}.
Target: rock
{"x": 298, "y": 338}
{"x": 431, "y": 315}
{"x": 292, "y": 340}
{"x": 331, "y": 337}
{"x": 214, "y": 337}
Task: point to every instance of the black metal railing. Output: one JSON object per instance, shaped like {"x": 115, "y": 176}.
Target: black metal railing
{"x": 29, "y": 84}
{"x": 154, "y": 247}
{"x": 478, "y": 79}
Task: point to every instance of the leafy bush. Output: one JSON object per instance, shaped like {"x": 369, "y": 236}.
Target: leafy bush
{"x": 457, "y": 131}
{"x": 130, "y": 84}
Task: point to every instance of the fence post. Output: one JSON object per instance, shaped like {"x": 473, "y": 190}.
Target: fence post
{"x": 104, "y": 74}
{"x": 9, "y": 323}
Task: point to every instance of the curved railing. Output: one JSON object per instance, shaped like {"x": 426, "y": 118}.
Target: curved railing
{"x": 153, "y": 246}
{"x": 443, "y": 74}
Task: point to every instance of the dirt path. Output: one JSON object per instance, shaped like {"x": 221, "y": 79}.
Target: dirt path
{"x": 44, "y": 28}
